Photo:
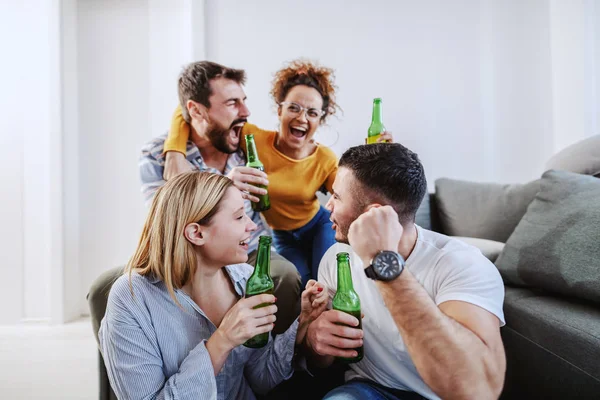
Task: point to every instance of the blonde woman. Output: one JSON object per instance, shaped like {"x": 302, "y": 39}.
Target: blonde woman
{"x": 175, "y": 322}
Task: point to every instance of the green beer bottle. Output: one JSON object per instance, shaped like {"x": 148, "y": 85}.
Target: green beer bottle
{"x": 346, "y": 299}
{"x": 260, "y": 282}
{"x": 264, "y": 203}
{"x": 376, "y": 128}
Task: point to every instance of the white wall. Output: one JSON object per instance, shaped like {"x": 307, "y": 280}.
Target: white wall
{"x": 11, "y": 169}
{"x": 129, "y": 56}
{"x": 29, "y": 79}
{"x": 466, "y": 84}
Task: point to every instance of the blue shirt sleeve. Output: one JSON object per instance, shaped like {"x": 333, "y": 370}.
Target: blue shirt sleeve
{"x": 152, "y": 166}
{"x": 133, "y": 358}
{"x": 269, "y": 367}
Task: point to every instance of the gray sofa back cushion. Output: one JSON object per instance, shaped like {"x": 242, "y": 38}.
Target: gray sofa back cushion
{"x": 582, "y": 157}
{"x": 482, "y": 210}
{"x": 556, "y": 246}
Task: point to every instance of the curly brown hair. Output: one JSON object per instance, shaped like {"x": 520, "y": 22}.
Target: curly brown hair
{"x": 303, "y": 72}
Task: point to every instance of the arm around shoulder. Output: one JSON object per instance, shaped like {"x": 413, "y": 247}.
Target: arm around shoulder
{"x": 179, "y": 133}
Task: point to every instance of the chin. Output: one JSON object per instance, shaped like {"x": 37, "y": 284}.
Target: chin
{"x": 341, "y": 239}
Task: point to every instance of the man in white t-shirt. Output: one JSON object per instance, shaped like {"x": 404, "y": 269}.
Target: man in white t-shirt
{"x": 432, "y": 305}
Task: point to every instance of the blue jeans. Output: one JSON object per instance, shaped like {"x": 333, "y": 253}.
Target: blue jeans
{"x": 305, "y": 246}
{"x": 365, "y": 390}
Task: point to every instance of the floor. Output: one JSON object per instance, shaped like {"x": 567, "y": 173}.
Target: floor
{"x": 38, "y": 361}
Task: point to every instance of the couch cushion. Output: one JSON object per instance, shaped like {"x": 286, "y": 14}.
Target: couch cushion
{"x": 489, "y": 248}
{"x": 582, "y": 158}
{"x": 482, "y": 210}
{"x": 556, "y": 246}
{"x": 567, "y": 328}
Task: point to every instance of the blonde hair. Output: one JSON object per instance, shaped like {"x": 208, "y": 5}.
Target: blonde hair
{"x": 163, "y": 252}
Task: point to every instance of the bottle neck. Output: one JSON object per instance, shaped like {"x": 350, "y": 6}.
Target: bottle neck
{"x": 376, "y": 118}
{"x": 263, "y": 260}
{"x": 252, "y": 154}
{"x": 344, "y": 283}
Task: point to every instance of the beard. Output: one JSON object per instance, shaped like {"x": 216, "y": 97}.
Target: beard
{"x": 218, "y": 136}
{"x": 341, "y": 233}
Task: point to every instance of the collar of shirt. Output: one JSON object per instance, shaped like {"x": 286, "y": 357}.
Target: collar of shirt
{"x": 235, "y": 273}
{"x": 237, "y": 159}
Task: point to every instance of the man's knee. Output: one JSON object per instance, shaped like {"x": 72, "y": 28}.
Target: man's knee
{"x": 284, "y": 273}
{"x": 352, "y": 391}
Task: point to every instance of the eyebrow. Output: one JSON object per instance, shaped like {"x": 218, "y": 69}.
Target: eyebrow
{"x": 238, "y": 210}
{"x": 235, "y": 99}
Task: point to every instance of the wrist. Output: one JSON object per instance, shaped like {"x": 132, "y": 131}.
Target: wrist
{"x": 220, "y": 342}
{"x": 173, "y": 154}
{"x": 367, "y": 258}
{"x": 303, "y": 324}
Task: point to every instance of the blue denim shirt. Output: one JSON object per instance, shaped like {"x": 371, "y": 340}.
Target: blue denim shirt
{"x": 154, "y": 349}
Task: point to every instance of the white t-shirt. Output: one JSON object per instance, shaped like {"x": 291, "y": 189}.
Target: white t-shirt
{"x": 448, "y": 269}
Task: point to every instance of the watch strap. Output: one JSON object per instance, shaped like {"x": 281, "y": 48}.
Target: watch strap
{"x": 370, "y": 272}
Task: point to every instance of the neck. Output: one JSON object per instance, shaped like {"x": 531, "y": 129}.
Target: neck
{"x": 204, "y": 279}
{"x": 210, "y": 155}
{"x": 293, "y": 153}
{"x": 408, "y": 241}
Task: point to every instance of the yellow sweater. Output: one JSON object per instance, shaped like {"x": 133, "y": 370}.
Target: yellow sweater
{"x": 292, "y": 183}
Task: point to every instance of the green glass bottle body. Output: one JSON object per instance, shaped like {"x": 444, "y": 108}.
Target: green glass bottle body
{"x": 260, "y": 282}
{"x": 346, "y": 299}
{"x": 376, "y": 128}
{"x": 264, "y": 203}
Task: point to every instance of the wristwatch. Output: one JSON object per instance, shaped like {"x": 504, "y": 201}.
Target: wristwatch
{"x": 385, "y": 266}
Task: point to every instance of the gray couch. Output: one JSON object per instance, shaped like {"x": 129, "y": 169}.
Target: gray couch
{"x": 545, "y": 239}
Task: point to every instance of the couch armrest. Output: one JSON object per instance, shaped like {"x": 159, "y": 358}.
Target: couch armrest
{"x": 428, "y": 215}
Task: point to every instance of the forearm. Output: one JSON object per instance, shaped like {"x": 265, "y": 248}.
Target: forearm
{"x": 218, "y": 351}
{"x": 178, "y": 134}
{"x": 452, "y": 360}
{"x": 139, "y": 376}
{"x": 274, "y": 363}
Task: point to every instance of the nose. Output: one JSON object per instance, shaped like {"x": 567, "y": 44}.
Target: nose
{"x": 244, "y": 111}
{"x": 251, "y": 227}
{"x": 329, "y": 205}
{"x": 302, "y": 116}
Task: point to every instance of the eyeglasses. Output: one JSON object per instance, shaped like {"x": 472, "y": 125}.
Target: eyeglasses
{"x": 297, "y": 109}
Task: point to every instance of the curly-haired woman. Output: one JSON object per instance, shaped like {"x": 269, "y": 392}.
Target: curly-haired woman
{"x": 297, "y": 166}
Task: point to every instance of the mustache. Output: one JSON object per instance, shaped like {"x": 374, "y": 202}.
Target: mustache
{"x": 237, "y": 121}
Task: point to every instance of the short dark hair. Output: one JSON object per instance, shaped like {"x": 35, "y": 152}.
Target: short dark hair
{"x": 388, "y": 172}
{"x": 194, "y": 82}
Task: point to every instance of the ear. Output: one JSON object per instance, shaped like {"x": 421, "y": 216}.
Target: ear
{"x": 196, "y": 110}
{"x": 194, "y": 234}
{"x": 279, "y": 112}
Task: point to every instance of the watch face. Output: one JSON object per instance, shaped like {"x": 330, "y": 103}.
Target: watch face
{"x": 387, "y": 265}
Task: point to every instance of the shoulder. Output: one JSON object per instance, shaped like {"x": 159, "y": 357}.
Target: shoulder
{"x": 259, "y": 133}
{"x": 453, "y": 259}
{"x": 325, "y": 154}
{"x": 128, "y": 292}
{"x": 154, "y": 148}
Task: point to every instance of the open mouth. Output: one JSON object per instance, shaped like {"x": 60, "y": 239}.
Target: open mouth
{"x": 244, "y": 243}
{"x": 237, "y": 129}
{"x": 298, "y": 131}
